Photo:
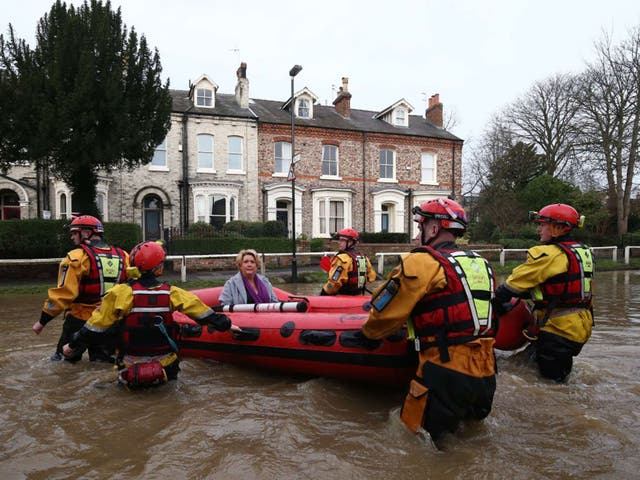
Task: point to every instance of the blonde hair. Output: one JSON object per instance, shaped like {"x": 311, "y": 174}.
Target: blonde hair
{"x": 247, "y": 251}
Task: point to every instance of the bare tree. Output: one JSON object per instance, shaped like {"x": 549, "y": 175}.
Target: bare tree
{"x": 609, "y": 114}
{"x": 544, "y": 117}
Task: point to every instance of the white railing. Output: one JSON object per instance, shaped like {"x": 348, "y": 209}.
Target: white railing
{"x": 183, "y": 259}
{"x": 503, "y": 254}
{"x": 381, "y": 256}
{"x": 627, "y": 253}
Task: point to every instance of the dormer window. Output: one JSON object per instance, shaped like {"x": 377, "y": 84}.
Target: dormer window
{"x": 400, "y": 118}
{"x": 302, "y": 103}
{"x": 204, "y": 97}
{"x": 304, "y": 110}
{"x": 203, "y": 92}
{"x": 396, "y": 114}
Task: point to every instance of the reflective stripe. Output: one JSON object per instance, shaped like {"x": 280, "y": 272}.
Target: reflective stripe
{"x": 150, "y": 309}
{"x": 93, "y": 328}
{"x": 151, "y": 292}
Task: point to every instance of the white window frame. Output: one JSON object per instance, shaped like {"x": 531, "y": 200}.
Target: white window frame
{"x": 285, "y": 162}
{"x": 335, "y": 176}
{"x": 203, "y": 203}
{"x": 303, "y": 107}
{"x": 159, "y": 160}
{"x": 206, "y": 154}
{"x": 322, "y": 206}
{"x": 204, "y": 97}
{"x": 425, "y": 169}
{"x": 391, "y": 179}
{"x": 237, "y": 155}
{"x": 400, "y": 117}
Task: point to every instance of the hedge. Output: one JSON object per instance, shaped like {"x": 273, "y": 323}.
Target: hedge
{"x": 39, "y": 238}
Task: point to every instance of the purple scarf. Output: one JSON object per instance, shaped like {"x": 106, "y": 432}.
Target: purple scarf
{"x": 260, "y": 296}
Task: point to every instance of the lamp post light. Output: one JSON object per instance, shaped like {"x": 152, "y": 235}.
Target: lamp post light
{"x": 295, "y": 70}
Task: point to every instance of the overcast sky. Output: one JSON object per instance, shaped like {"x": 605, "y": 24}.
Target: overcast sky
{"x": 479, "y": 55}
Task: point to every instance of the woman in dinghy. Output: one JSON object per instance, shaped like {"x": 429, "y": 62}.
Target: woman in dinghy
{"x": 247, "y": 286}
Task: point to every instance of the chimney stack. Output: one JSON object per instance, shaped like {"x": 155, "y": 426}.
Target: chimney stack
{"x": 343, "y": 100}
{"x": 242, "y": 87}
{"x": 434, "y": 112}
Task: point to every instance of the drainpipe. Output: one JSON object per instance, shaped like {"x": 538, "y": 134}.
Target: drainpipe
{"x": 453, "y": 171}
{"x": 264, "y": 205}
{"x": 364, "y": 183}
{"x": 409, "y": 207}
{"x": 184, "y": 211}
{"x": 38, "y": 192}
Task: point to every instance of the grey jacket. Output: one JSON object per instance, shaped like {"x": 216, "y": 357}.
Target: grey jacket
{"x": 234, "y": 292}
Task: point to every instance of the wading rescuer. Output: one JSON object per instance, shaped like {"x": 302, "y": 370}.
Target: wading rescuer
{"x": 84, "y": 275}
{"x": 350, "y": 270}
{"x": 444, "y": 293}
{"x": 147, "y": 351}
{"x": 557, "y": 277}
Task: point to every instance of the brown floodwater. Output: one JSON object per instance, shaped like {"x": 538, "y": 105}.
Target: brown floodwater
{"x": 62, "y": 421}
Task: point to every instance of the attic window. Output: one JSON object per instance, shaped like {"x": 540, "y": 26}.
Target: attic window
{"x": 400, "y": 117}
{"x": 204, "y": 97}
{"x": 303, "y": 108}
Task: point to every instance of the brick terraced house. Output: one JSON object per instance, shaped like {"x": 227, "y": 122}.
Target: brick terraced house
{"x": 227, "y": 157}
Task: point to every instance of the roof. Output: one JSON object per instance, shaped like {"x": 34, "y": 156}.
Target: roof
{"x": 226, "y": 106}
{"x": 270, "y": 111}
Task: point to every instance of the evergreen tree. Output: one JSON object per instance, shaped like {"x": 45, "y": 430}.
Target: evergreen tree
{"x": 89, "y": 97}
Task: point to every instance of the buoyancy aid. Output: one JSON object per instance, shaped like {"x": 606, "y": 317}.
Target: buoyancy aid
{"x": 357, "y": 276}
{"x": 107, "y": 267}
{"x": 149, "y": 329}
{"x": 461, "y": 312}
{"x": 570, "y": 289}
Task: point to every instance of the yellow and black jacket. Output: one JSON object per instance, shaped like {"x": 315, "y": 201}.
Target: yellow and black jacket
{"x": 349, "y": 273}
{"x": 558, "y": 279}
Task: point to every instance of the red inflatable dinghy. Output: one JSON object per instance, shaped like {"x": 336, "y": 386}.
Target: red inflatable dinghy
{"x": 314, "y": 335}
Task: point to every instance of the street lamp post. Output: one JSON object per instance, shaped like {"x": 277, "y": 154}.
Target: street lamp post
{"x": 294, "y": 262}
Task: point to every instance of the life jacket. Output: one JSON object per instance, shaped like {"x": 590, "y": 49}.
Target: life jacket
{"x": 357, "y": 276}
{"x": 462, "y": 311}
{"x": 570, "y": 289}
{"x": 149, "y": 329}
{"x": 107, "y": 267}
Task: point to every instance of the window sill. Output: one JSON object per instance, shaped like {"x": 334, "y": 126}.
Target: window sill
{"x": 235, "y": 172}
{"x": 387, "y": 180}
{"x": 330, "y": 177}
{"x": 157, "y": 168}
{"x": 206, "y": 170}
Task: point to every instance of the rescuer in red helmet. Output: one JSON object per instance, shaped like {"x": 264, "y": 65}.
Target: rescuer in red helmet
{"x": 350, "y": 270}
{"x": 84, "y": 275}
{"x": 445, "y": 293}
{"x": 556, "y": 277}
{"x": 142, "y": 307}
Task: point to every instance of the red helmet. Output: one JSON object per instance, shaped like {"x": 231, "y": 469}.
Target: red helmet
{"x": 450, "y": 213}
{"x": 147, "y": 256}
{"x": 348, "y": 233}
{"x": 559, "y": 213}
{"x": 86, "y": 222}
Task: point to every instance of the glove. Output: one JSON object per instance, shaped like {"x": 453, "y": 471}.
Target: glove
{"x": 503, "y": 294}
{"x": 501, "y": 302}
{"x": 501, "y": 308}
{"x": 219, "y": 321}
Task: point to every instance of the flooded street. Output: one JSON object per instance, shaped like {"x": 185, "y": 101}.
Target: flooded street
{"x": 63, "y": 421}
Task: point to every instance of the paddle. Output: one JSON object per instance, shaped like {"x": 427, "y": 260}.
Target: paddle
{"x": 264, "y": 307}
{"x": 325, "y": 263}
